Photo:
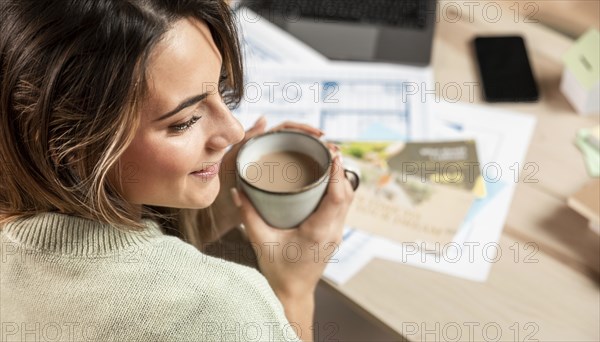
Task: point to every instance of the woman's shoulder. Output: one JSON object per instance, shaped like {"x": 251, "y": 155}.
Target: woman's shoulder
{"x": 145, "y": 279}
{"x": 186, "y": 261}
{"x": 220, "y": 296}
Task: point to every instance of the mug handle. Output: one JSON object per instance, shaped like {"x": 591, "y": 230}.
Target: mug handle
{"x": 353, "y": 177}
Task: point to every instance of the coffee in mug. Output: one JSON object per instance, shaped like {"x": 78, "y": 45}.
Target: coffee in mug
{"x": 285, "y": 174}
{"x": 284, "y": 171}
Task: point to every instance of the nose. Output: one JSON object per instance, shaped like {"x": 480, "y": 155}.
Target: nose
{"x": 226, "y": 129}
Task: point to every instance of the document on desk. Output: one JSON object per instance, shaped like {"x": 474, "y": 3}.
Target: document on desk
{"x": 288, "y": 80}
{"x": 347, "y": 100}
{"x": 406, "y": 188}
{"x": 354, "y": 253}
{"x": 502, "y": 141}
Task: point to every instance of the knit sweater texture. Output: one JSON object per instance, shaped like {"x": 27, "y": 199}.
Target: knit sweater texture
{"x": 64, "y": 278}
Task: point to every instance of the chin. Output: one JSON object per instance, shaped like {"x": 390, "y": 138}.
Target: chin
{"x": 207, "y": 196}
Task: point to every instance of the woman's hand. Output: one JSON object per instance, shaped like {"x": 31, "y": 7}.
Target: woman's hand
{"x": 225, "y": 213}
{"x": 293, "y": 260}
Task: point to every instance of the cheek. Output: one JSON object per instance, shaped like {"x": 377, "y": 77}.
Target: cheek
{"x": 159, "y": 162}
{"x": 162, "y": 165}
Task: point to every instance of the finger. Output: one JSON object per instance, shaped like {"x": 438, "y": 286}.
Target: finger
{"x": 335, "y": 198}
{"x": 348, "y": 187}
{"x": 333, "y": 148}
{"x": 299, "y": 126}
{"x": 258, "y": 127}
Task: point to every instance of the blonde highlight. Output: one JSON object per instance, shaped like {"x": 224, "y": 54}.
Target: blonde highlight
{"x": 68, "y": 103}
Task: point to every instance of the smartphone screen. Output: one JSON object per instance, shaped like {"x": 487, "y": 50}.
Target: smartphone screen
{"x": 505, "y": 70}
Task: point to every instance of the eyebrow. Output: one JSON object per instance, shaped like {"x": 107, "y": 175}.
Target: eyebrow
{"x": 186, "y": 103}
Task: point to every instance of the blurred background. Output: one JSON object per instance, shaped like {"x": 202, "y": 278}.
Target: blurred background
{"x": 492, "y": 233}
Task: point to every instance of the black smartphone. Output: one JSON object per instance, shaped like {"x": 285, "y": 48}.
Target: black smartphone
{"x": 505, "y": 70}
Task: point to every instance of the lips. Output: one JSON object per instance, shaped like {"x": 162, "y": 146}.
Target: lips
{"x": 211, "y": 169}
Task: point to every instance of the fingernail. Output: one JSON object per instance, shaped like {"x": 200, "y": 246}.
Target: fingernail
{"x": 333, "y": 148}
{"x": 236, "y": 197}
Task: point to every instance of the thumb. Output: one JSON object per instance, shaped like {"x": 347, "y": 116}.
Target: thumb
{"x": 258, "y": 128}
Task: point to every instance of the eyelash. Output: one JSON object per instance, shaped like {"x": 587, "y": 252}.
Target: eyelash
{"x": 180, "y": 128}
{"x": 186, "y": 125}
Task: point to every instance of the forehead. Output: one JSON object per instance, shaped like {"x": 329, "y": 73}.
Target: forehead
{"x": 183, "y": 64}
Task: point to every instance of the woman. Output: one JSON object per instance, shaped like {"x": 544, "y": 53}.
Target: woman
{"x": 113, "y": 118}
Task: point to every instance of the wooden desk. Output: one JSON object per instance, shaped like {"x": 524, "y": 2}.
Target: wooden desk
{"x": 554, "y": 299}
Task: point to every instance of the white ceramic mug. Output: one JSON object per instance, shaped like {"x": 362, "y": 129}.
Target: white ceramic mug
{"x": 287, "y": 209}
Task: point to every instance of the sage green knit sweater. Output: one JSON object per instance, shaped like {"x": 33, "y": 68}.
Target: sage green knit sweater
{"x": 64, "y": 278}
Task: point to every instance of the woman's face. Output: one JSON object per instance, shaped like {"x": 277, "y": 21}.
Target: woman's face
{"x": 185, "y": 126}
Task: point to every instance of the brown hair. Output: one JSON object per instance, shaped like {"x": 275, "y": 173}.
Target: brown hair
{"x": 71, "y": 74}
